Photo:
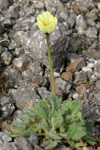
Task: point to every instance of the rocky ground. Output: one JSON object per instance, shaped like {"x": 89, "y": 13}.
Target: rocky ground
{"x": 24, "y": 67}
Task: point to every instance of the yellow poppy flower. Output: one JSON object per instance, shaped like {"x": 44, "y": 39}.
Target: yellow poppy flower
{"x": 46, "y": 22}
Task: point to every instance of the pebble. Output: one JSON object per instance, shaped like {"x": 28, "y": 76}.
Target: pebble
{"x": 76, "y": 65}
{"x": 7, "y": 57}
{"x": 98, "y": 84}
{"x": 21, "y": 62}
{"x": 87, "y": 69}
{"x": 75, "y": 96}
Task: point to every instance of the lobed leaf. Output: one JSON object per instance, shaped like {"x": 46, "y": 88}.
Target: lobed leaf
{"x": 51, "y": 144}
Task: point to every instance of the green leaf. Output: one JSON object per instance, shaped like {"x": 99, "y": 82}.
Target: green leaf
{"x": 45, "y": 106}
{"x": 76, "y": 106}
{"x": 52, "y": 102}
{"x": 58, "y": 103}
{"x": 70, "y": 142}
{"x": 75, "y": 132}
{"x": 57, "y": 122}
{"x": 63, "y": 135}
{"x": 71, "y": 130}
{"x": 88, "y": 125}
{"x": 44, "y": 125}
{"x": 73, "y": 106}
{"x": 54, "y": 136}
{"x": 41, "y": 113}
{"x": 60, "y": 112}
{"x": 68, "y": 104}
{"x": 51, "y": 144}
{"x": 78, "y": 145}
{"x": 78, "y": 134}
{"x": 79, "y": 115}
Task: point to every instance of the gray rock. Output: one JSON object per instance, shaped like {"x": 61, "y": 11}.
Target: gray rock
{"x": 40, "y": 80}
{"x": 92, "y": 114}
{"x": 21, "y": 62}
{"x": 43, "y": 92}
{"x": 28, "y": 11}
{"x": 36, "y": 147}
{"x": 6, "y": 105}
{"x": 19, "y": 51}
{"x": 97, "y": 67}
{"x": 36, "y": 68}
{"x": 69, "y": 32}
{"x": 83, "y": 6}
{"x": 97, "y": 98}
{"x": 6, "y": 57}
{"x": 61, "y": 84}
{"x": 91, "y": 33}
{"x": 23, "y": 143}
{"x": 63, "y": 27}
{"x": 12, "y": 45}
{"x": 87, "y": 69}
{"x": 4, "y": 41}
{"x": 1, "y": 49}
{"x": 97, "y": 84}
{"x": 5, "y": 138}
{"x": 24, "y": 24}
{"x": 33, "y": 139}
{"x": 35, "y": 47}
{"x": 24, "y": 93}
{"x": 6, "y": 20}
{"x": 21, "y": 13}
{"x": 93, "y": 78}
{"x": 93, "y": 14}
{"x": 80, "y": 24}
{"x": 31, "y": 77}
{"x": 7, "y": 146}
{"x": 80, "y": 76}
{"x": 98, "y": 25}
{"x": 75, "y": 96}
{"x": 73, "y": 56}
{"x": 13, "y": 11}
{"x": 71, "y": 20}
{"x": 18, "y": 115}
{"x": 90, "y": 22}
{"x": 13, "y": 77}
{"x": 56, "y": 74}
{"x": 1, "y": 29}
{"x": 68, "y": 87}
{"x": 74, "y": 43}
{"x": 39, "y": 5}
{"x": 63, "y": 16}
{"x": 3, "y": 4}
{"x": 53, "y": 4}
{"x": 91, "y": 95}
{"x": 91, "y": 54}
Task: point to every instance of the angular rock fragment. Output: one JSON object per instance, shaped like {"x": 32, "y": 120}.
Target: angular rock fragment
{"x": 35, "y": 46}
{"x": 76, "y": 65}
{"x": 67, "y": 76}
{"x": 6, "y": 105}
{"x": 25, "y": 93}
{"x": 23, "y": 143}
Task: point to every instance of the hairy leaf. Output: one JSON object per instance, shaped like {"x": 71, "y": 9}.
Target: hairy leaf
{"x": 51, "y": 144}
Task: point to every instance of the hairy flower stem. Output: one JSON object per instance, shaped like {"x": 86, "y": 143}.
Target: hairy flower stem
{"x": 50, "y": 64}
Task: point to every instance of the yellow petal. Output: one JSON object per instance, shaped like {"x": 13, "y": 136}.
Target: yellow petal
{"x": 46, "y": 22}
{"x": 41, "y": 27}
{"x": 46, "y": 15}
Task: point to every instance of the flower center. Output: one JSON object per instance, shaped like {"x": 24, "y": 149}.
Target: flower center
{"x": 46, "y": 22}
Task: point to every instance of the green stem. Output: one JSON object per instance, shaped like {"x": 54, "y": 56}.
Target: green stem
{"x": 50, "y": 64}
